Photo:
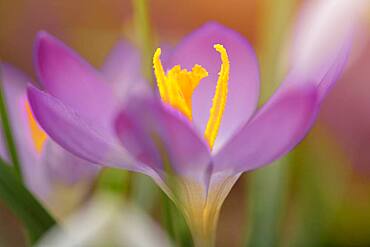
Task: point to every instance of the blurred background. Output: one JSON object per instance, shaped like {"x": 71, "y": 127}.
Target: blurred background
{"x": 318, "y": 196}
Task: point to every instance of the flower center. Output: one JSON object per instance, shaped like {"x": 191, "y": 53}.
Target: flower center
{"x": 176, "y": 89}
{"x": 37, "y": 134}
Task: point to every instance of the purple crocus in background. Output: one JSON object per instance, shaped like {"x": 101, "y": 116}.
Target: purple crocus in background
{"x": 49, "y": 169}
{"x": 46, "y": 166}
{"x": 199, "y": 134}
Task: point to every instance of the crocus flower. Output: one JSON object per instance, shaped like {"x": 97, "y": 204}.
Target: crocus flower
{"x": 44, "y": 164}
{"x": 197, "y": 134}
{"x": 48, "y": 169}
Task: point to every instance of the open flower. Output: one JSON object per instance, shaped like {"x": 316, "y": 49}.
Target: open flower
{"x": 198, "y": 136}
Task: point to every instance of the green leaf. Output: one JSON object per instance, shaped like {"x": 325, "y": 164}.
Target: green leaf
{"x": 267, "y": 196}
{"x": 7, "y": 131}
{"x": 23, "y": 204}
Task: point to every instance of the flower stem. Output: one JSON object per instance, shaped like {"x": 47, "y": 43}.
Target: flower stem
{"x": 8, "y": 134}
{"x": 144, "y": 35}
{"x": 203, "y": 229}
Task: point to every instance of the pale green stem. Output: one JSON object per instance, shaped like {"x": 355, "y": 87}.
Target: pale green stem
{"x": 202, "y": 213}
{"x": 143, "y": 35}
{"x": 203, "y": 229}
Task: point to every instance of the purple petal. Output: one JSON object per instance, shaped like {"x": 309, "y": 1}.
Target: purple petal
{"x": 123, "y": 69}
{"x": 272, "y": 132}
{"x": 152, "y": 131}
{"x": 325, "y": 76}
{"x": 14, "y": 82}
{"x": 243, "y": 93}
{"x": 335, "y": 71}
{"x": 63, "y": 167}
{"x": 72, "y": 80}
{"x": 76, "y": 134}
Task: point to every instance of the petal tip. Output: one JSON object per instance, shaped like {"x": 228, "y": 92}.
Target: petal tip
{"x": 43, "y": 39}
{"x": 32, "y": 92}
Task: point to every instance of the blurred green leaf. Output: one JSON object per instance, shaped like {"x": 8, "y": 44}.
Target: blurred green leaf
{"x": 175, "y": 223}
{"x": 267, "y": 193}
{"x": 8, "y": 134}
{"x": 25, "y": 206}
{"x": 267, "y": 186}
{"x": 114, "y": 180}
{"x": 144, "y": 35}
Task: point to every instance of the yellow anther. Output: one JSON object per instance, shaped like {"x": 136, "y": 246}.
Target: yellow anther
{"x": 219, "y": 99}
{"x": 37, "y": 134}
{"x": 176, "y": 88}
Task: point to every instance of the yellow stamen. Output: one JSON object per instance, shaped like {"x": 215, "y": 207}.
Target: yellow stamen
{"x": 161, "y": 76}
{"x": 219, "y": 100}
{"x": 176, "y": 88}
{"x": 37, "y": 134}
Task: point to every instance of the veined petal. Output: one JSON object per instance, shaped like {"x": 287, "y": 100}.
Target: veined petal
{"x": 275, "y": 129}
{"x": 76, "y": 134}
{"x": 152, "y": 131}
{"x": 243, "y": 88}
{"x": 73, "y": 81}
{"x": 123, "y": 69}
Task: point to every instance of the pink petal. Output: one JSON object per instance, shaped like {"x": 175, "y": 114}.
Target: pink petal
{"x": 72, "y": 80}
{"x": 272, "y": 132}
{"x": 62, "y": 167}
{"x": 76, "y": 134}
{"x": 123, "y": 69}
{"x": 14, "y": 84}
{"x": 153, "y": 132}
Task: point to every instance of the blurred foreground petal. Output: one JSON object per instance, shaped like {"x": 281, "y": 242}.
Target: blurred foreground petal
{"x": 323, "y": 39}
{"x": 107, "y": 222}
